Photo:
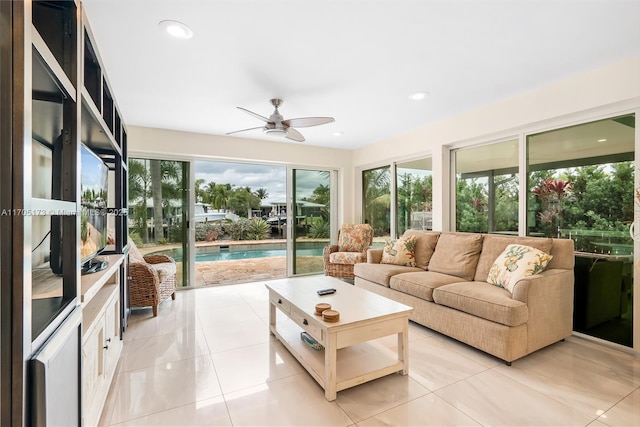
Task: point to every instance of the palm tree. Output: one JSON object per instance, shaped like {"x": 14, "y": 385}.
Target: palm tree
{"x": 139, "y": 187}
{"x": 221, "y": 196}
{"x": 261, "y": 193}
{"x": 198, "y": 191}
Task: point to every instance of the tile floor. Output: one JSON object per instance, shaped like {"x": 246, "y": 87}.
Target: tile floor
{"x": 208, "y": 359}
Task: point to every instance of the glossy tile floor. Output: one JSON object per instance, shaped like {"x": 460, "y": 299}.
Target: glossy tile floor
{"x": 208, "y": 359}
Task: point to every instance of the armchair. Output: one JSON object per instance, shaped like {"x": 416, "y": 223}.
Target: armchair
{"x": 152, "y": 279}
{"x": 353, "y": 242}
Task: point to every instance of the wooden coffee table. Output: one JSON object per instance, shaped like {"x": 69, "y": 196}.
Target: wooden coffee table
{"x": 350, "y": 357}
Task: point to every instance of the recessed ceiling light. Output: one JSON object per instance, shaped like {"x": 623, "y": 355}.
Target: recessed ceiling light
{"x": 176, "y": 29}
{"x": 417, "y": 96}
{"x": 602, "y": 140}
{"x": 338, "y": 133}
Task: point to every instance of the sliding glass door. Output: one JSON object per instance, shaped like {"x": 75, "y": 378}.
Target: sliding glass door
{"x": 310, "y": 218}
{"x": 580, "y": 183}
{"x": 159, "y": 210}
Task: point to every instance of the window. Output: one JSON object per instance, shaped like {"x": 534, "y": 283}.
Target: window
{"x": 414, "y": 187}
{"x": 487, "y": 183}
{"x": 377, "y": 200}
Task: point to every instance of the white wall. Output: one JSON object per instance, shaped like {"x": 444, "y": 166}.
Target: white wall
{"x": 175, "y": 145}
{"x": 577, "y": 99}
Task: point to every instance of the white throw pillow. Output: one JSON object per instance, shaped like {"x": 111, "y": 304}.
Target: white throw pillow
{"x": 515, "y": 263}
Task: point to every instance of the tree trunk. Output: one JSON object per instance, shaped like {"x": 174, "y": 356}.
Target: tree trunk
{"x": 156, "y": 193}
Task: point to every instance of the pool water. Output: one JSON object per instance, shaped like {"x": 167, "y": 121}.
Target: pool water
{"x": 224, "y": 254}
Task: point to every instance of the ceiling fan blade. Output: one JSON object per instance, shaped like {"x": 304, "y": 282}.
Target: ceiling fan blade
{"x": 256, "y": 115}
{"x": 305, "y": 122}
{"x": 294, "y": 135}
{"x": 244, "y": 130}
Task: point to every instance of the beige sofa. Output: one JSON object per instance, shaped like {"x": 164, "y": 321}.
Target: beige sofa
{"x": 449, "y": 291}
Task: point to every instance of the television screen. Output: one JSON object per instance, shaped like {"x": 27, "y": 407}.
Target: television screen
{"x": 93, "y": 215}
{"x": 93, "y": 199}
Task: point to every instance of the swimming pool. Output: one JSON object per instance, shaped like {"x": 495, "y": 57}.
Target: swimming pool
{"x": 217, "y": 253}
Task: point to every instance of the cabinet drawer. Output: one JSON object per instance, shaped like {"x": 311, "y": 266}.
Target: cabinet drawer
{"x": 308, "y": 323}
{"x": 281, "y": 303}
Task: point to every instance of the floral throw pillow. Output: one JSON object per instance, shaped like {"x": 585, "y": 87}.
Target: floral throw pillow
{"x": 515, "y": 263}
{"x": 400, "y": 252}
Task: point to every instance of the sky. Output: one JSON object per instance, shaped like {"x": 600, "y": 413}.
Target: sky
{"x": 255, "y": 176}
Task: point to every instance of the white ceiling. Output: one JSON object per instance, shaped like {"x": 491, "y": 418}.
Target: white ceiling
{"x": 355, "y": 60}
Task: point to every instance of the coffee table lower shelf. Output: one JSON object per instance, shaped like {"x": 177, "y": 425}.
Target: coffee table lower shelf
{"x": 355, "y": 364}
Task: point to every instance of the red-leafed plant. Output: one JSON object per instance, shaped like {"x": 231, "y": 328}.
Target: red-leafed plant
{"x": 552, "y": 193}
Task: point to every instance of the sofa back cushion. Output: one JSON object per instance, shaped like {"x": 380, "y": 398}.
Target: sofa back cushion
{"x": 493, "y": 245}
{"x": 563, "y": 254}
{"x": 425, "y": 244}
{"x": 457, "y": 254}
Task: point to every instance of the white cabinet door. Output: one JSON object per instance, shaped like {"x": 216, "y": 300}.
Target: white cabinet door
{"x": 93, "y": 363}
{"x": 112, "y": 334}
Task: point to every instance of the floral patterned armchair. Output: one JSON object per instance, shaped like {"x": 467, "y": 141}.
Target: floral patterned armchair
{"x": 353, "y": 242}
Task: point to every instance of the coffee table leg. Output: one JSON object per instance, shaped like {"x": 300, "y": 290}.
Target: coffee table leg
{"x": 272, "y": 317}
{"x": 330, "y": 362}
{"x": 403, "y": 349}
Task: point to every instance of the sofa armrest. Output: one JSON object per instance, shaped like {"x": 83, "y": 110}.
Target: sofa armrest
{"x": 549, "y": 299}
{"x": 374, "y": 256}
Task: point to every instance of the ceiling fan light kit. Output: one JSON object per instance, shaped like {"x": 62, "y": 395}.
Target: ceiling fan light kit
{"x": 276, "y": 125}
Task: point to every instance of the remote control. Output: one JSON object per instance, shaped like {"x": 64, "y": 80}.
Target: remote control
{"x": 326, "y": 291}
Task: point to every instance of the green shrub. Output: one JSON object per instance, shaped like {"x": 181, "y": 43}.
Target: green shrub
{"x": 206, "y": 230}
{"x": 175, "y": 233}
{"x": 237, "y": 230}
{"x": 319, "y": 230}
{"x": 258, "y": 229}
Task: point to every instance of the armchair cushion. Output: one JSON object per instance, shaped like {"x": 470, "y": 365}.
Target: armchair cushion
{"x": 347, "y": 257}
{"x": 354, "y": 237}
{"x": 165, "y": 270}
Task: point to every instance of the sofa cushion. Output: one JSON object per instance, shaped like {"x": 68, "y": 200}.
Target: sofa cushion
{"x": 483, "y": 300}
{"x": 457, "y": 254}
{"x": 400, "y": 252}
{"x": 381, "y": 273}
{"x": 494, "y": 244}
{"x": 347, "y": 257}
{"x": 421, "y": 284}
{"x": 517, "y": 262}
{"x": 425, "y": 245}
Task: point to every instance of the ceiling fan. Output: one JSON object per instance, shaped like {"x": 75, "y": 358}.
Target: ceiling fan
{"x": 276, "y": 125}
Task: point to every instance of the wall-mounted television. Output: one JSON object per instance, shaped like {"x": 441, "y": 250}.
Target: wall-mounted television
{"x": 93, "y": 215}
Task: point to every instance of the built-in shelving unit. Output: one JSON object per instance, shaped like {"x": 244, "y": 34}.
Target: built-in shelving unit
{"x": 60, "y": 99}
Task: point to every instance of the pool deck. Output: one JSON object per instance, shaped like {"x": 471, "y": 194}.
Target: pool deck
{"x": 217, "y": 273}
